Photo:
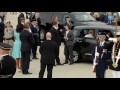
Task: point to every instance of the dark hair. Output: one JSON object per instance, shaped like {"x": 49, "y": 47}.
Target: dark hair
{"x": 66, "y": 18}
{"x": 19, "y": 28}
{"x": 69, "y": 27}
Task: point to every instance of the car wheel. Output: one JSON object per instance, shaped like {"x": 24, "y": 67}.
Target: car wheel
{"x": 76, "y": 58}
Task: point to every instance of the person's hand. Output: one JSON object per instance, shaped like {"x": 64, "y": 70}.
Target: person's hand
{"x": 65, "y": 37}
{"x": 61, "y": 30}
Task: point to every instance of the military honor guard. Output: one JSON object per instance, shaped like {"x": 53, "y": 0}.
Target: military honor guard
{"x": 34, "y": 31}
{"x": 100, "y": 59}
{"x": 115, "y": 63}
{"x": 7, "y": 62}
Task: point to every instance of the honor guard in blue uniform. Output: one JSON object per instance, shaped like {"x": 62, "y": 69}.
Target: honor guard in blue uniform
{"x": 34, "y": 31}
{"x": 7, "y": 62}
{"x": 100, "y": 59}
{"x": 115, "y": 62}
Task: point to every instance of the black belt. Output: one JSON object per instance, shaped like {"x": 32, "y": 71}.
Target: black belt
{"x": 8, "y": 39}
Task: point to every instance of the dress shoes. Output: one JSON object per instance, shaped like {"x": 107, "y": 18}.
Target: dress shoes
{"x": 65, "y": 63}
{"x": 60, "y": 64}
{"x": 71, "y": 63}
{"x": 27, "y": 73}
{"x": 54, "y": 65}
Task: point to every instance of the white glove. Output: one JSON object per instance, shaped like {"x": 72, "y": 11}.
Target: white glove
{"x": 94, "y": 63}
{"x": 96, "y": 54}
{"x": 113, "y": 39}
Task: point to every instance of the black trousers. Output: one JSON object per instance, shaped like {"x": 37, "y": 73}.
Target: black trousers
{"x": 100, "y": 73}
{"x": 34, "y": 47}
{"x": 57, "y": 57}
{"x": 25, "y": 61}
{"x": 34, "y": 50}
{"x": 49, "y": 70}
{"x": 68, "y": 51}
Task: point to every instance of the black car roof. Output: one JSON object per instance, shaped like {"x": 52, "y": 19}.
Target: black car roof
{"x": 105, "y": 27}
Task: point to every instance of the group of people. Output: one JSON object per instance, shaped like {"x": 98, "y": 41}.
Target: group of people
{"x": 24, "y": 40}
{"x": 107, "y": 17}
{"x": 26, "y": 37}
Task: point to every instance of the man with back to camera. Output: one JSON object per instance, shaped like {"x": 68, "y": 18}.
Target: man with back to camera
{"x": 26, "y": 45}
{"x": 56, "y": 37}
{"x": 7, "y": 63}
{"x": 48, "y": 52}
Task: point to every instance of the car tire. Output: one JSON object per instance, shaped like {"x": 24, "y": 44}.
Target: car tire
{"x": 77, "y": 58}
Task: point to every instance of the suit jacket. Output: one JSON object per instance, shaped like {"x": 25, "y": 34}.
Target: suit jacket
{"x": 56, "y": 36}
{"x": 71, "y": 24}
{"x": 70, "y": 36}
{"x": 48, "y": 51}
{"x": 1, "y": 31}
{"x": 39, "y": 22}
{"x": 26, "y": 40}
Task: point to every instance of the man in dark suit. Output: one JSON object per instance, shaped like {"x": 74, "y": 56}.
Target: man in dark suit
{"x": 68, "y": 50}
{"x": 1, "y": 30}
{"x": 56, "y": 37}
{"x": 48, "y": 51}
{"x": 7, "y": 63}
{"x": 27, "y": 42}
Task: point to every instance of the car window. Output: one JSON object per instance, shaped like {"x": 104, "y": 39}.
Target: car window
{"x": 88, "y": 33}
{"x": 84, "y": 17}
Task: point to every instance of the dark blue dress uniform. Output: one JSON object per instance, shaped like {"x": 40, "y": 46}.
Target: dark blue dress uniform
{"x": 35, "y": 38}
{"x": 102, "y": 63}
{"x": 7, "y": 63}
{"x": 102, "y": 59}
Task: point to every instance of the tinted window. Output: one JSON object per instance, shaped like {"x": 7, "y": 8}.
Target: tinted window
{"x": 88, "y": 33}
{"x": 84, "y": 17}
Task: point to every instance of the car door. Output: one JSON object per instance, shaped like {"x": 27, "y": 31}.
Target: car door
{"x": 88, "y": 43}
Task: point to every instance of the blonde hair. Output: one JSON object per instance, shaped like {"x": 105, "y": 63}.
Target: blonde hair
{"x": 96, "y": 14}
